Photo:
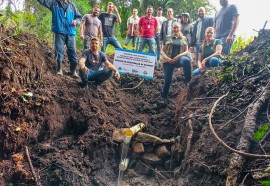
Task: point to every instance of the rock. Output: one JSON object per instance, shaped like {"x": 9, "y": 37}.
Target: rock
{"x": 151, "y": 159}
{"x": 141, "y": 168}
{"x": 138, "y": 147}
{"x": 162, "y": 152}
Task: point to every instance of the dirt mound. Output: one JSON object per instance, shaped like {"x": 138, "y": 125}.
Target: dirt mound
{"x": 68, "y": 130}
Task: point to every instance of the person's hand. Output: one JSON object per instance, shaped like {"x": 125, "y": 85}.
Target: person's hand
{"x": 82, "y": 36}
{"x": 117, "y": 75}
{"x": 115, "y": 8}
{"x": 229, "y": 39}
{"x": 84, "y": 69}
{"x": 74, "y": 23}
{"x": 101, "y": 43}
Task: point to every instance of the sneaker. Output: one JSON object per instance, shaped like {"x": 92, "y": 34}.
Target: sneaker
{"x": 73, "y": 74}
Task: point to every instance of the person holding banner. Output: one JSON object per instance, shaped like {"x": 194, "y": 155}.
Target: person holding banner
{"x": 91, "y": 63}
{"x": 174, "y": 55}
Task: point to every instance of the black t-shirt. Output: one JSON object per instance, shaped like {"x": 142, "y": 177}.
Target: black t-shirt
{"x": 107, "y": 21}
{"x": 94, "y": 61}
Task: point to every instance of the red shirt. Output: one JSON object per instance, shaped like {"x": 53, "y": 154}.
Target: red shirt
{"x": 148, "y": 26}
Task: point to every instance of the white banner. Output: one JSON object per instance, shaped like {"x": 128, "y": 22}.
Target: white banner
{"x": 128, "y": 61}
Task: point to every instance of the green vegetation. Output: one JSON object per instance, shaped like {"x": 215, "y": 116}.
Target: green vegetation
{"x": 240, "y": 43}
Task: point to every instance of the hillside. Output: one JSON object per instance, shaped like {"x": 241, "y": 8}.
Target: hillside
{"x": 68, "y": 130}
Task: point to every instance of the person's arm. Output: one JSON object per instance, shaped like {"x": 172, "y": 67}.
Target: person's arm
{"x": 82, "y": 29}
{"x": 46, "y": 3}
{"x": 118, "y": 20}
{"x": 156, "y": 26}
{"x": 185, "y": 53}
{"x": 235, "y": 23}
{"x": 82, "y": 65}
{"x": 200, "y": 65}
{"x": 165, "y": 56}
{"x": 111, "y": 67}
{"x": 100, "y": 34}
{"x": 77, "y": 18}
{"x": 216, "y": 54}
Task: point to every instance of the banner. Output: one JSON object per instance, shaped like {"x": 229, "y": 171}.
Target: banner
{"x": 128, "y": 61}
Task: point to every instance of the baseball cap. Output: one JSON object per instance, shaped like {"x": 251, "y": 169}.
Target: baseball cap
{"x": 185, "y": 14}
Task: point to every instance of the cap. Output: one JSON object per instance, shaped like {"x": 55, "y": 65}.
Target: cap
{"x": 160, "y": 8}
{"x": 185, "y": 14}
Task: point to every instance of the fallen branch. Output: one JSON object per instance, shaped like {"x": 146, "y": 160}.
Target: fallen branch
{"x": 133, "y": 87}
{"x": 31, "y": 166}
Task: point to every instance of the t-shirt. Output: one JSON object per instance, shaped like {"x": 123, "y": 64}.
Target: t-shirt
{"x": 107, "y": 21}
{"x": 223, "y": 20}
{"x": 210, "y": 49}
{"x": 93, "y": 61}
{"x": 92, "y": 24}
{"x": 148, "y": 26}
{"x": 160, "y": 20}
{"x": 176, "y": 46}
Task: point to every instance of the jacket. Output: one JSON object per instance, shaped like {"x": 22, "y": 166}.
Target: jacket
{"x": 164, "y": 29}
{"x": 206, "y": 22}
{"x": 62, "y": 16}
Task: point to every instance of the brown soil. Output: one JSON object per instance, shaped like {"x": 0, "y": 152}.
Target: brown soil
{"x": 68, "y": 130}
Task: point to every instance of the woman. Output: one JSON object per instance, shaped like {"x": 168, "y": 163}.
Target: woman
{"x": 133, "y": 30}
{"x": 174, "y": 54}
{"x": 210, "y": 52}
{"x": 186, "y": 27}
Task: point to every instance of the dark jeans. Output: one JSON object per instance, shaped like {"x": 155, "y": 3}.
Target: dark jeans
{"x": 226, "y": 47}
{"x": 59, "y": 41}
{"x": 168, "y": 73}
{"x": 213, "y": 62}
{"x": 157, "y": 38}
{"x": 110, "y": 40}
{"x": 97, "y": 76}
{"x": 134, "y": 40}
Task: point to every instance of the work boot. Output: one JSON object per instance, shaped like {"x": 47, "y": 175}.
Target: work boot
{"x": 59, "y": 70}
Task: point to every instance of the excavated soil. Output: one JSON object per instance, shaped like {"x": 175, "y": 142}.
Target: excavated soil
{"x": 68, "y": 130}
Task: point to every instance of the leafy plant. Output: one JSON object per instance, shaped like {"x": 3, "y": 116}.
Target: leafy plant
{"x": 261, "y": 132}
{"x": 240, "y": 43}
{"x": 265, "y": 183}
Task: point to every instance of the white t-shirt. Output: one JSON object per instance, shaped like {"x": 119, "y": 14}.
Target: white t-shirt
{"x": 160, "y": 20}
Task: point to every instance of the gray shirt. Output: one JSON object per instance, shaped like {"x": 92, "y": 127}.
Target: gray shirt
{"x": 224, "y": 20}
{"x": 92, "y": 24}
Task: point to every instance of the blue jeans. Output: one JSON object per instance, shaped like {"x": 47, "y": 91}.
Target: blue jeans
{"x": 97, "y": 76}
{"x": 157, "y": 38}
{"x": 133, "y": 38}
{"x": 196, "y": 52}
{"x": 213, "y": 62}
{"x": 151, "y": 44}
{"x": 168, "y": 73}
{"x": 226, "y": 47}
{"x": 110, "y": 40}
{"x": 59, "y": 41}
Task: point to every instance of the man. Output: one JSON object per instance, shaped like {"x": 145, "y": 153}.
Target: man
{"x": 91, "y": 63}
{"x": 90, "y": 27}
{"x": 148, "y": 27}
{"x": 133, "y": 29}
{"x": 166, "y": 29}
{"x": 108, "y": 20}
{"x": 226, "y": 22}
{"x": 65, "y": 17}
{"x": 160, "y": 20}
{"x": 200, "y": 25}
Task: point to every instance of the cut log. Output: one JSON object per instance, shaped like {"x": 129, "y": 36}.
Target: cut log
{"x": 151, "y": 159}
{"x": 138, "y": 147}
{"x": 162, "y": 152}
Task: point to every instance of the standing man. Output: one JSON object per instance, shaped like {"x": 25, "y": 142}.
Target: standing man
{"x": 226, "y": 22}
{"x": 148, "y": 27}
{"x": 91, "y": 63}
{"x": 133, "y": 29}
{"x": 166, "y": 29}
{"x": 199, "y": 27}
{"x": 90, "y": 27}
{"x": 65, "y": 17}
{"x": 160, "y": 20}
{"x": 108, "y": 20}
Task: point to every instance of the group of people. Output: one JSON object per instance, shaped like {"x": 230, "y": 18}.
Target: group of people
{"x": 170, "y": 39}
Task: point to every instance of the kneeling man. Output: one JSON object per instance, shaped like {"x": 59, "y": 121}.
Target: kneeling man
{"x": 91, "y": 64}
